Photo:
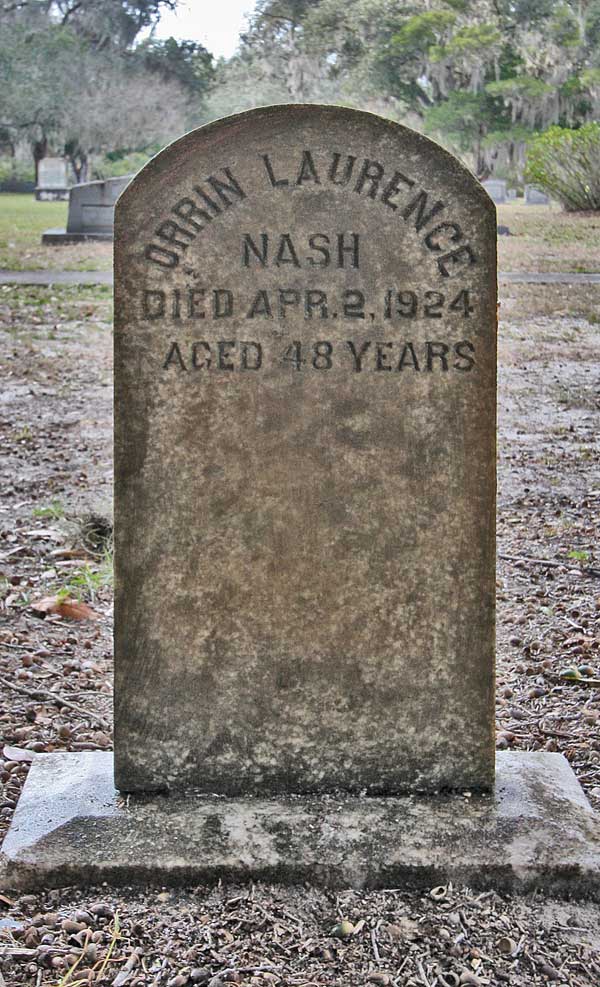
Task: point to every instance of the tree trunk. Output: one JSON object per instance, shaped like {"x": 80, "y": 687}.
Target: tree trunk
{"x": 39, "y": 149}
{"x": 79, "y": 164}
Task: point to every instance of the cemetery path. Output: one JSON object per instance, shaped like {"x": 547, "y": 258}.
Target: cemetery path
{"x": 55, "y": 277}
{"x": 105, "y": 277}
{"x": 56, "y": 671}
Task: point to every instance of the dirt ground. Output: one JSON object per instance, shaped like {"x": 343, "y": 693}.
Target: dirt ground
{"x": 56, "y": 682}
{"x": 22, "y": 222}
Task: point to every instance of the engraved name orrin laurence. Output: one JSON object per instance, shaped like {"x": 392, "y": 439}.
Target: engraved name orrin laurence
{"x": 388, "y": 186}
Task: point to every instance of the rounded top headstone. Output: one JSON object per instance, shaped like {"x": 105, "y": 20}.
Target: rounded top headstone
{"x": 305, "y": 312}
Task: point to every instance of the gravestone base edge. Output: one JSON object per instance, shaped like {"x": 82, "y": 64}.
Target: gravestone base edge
{"x": 536, "y": 832}
{"x": 59, "y": 237}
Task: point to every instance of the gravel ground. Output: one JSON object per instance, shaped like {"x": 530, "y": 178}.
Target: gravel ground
{"x": 56, "y": 674}
{"x": 301, "y": 937}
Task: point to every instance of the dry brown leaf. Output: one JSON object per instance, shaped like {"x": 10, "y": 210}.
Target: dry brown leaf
{"x": 17, "y": 753}
{"x": 50, "y": 533}
{"x": 67, "y": 553}
{"x": 65, "y": 606}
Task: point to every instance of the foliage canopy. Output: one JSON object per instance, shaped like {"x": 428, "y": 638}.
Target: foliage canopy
{"x": 72, "y": 80}
{"x": 566, "y": 163}
{"x": 484, "y": 76}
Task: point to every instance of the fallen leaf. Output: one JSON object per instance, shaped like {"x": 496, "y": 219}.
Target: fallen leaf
{"x": 17, "y": 754}
{"x": 403, "y": 928}
{"x": 51, "y": 533}
{"x": 67, "y": 553}
{"x": 65, "y": 606}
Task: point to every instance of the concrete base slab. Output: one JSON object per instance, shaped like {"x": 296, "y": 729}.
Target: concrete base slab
{"x": 536, "y": 832}
{"x": 60, "y": 237}
{"x": 52, "y": 194}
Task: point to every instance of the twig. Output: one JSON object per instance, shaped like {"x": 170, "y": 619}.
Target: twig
{"x": 247, "y": 969}
{"x": 555, "y": 733}
{"x": 37, "y": 694}
{"x": 551, "y": 564}
{"x": 573, "y": 623}
{"x": 113, "y": 941}
{"x": 272, "y": 918}
{"x": 422, "y": 974}
{"x": 69, "y": 974}
{"x": 570, "y": 928}
{"x": 376, "y": 953}
{"x": 18, "y": 952}
{"x": 402, "y": 965}
{"x": 293, "y": 918}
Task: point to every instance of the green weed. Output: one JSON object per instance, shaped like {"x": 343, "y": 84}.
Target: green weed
{"x": 25, "y": 435}
{"x": 54, "y": 510}
{"x": 88, "y": 580}
{"x": 579, "y": 555}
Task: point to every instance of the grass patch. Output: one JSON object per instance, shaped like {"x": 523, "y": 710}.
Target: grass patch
{"x": 577, "y": 301}
{"x": 548, "y": 239}
{"x": 576, "y": 396}
{"x": 24, "y": 434}
{"x": 54, "y": 510}
{"x": 24, "y": 309}
{"x": 87, "y": 581}
{"x": 22, "y": 222}
{"x": 578, "y": 555}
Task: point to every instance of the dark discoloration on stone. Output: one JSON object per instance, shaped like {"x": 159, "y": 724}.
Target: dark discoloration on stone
{"x": 536, "y": 832}
{"x": 305, "y": 550}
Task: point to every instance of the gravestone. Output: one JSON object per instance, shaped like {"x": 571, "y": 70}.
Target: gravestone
{"x": 535, "y": 197}
{"x": 53, "y": 183}
{"x": 305, "y": 450}
{"x": 305, "y": 340}
{"x": 91, "y": 212}
{"x": 496, "y": 189}
{"x": 511, "y": 193}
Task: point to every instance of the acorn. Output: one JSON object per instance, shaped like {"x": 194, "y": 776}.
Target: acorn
{"x": 586, "y": 670}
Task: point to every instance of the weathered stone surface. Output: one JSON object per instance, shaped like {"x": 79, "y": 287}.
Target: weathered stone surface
{"x": 536, "y": 832}
{"x": 305, "y": 313}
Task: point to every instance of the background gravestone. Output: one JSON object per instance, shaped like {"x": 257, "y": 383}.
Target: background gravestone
{"x": 91, "y": 212}
{"x": 496, "y": 189}
{"x": 305, "y": 361}
{"x": 535, "y": 197}
{"x": 53, "y": 183}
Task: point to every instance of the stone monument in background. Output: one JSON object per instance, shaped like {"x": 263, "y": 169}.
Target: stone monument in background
{"x": 535, "y": 197}
{"x": 496, "y": 189}
{"x": 91, "y": 212}
{"x": 53, "y": 182}
{"x": 305, "y": 395}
